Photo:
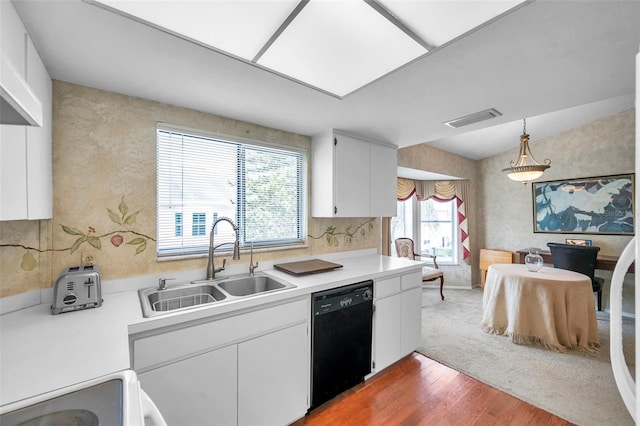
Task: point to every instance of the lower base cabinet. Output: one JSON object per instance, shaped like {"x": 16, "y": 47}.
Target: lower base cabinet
{"x": 387, "y": 323}
{"x": 397, "y": 318}
{"x": 196, "y": 391}
{"x": 248, "y": 369}
{"x": 272, "y": 370}
{"x": 411, "y": 321}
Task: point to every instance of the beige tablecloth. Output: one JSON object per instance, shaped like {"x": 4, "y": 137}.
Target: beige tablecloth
{"x": 552, "y": 307}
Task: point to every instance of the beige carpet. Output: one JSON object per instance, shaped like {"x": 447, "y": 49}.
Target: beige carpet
{"x": 577, "y": 386}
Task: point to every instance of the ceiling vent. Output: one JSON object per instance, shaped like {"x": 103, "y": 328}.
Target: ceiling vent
{"x": 473, "y": 118}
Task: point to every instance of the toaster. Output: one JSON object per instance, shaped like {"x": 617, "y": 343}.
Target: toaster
{"x": 77, "y": 287}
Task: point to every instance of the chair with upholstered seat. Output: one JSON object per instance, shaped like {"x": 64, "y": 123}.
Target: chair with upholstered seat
{"x": 405, "y": 248}
{"x": 580, "y": 259}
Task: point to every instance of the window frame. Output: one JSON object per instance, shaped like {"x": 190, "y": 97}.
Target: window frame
{"x": 198, "y": 224}
{"x": 179, "y": 224}
{"x": 455, "y": 235}
{"x": 302, "y": 195}
{"x": 413, "y": 210}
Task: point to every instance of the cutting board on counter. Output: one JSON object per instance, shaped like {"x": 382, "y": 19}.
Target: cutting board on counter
{"x": 304, "y": 267}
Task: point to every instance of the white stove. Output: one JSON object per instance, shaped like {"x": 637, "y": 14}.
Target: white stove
{"x": 115, "y": 399}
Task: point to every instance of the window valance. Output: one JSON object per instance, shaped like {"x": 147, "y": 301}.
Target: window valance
{"x": 406, "y": 188}
{"x": 441, "y": 190}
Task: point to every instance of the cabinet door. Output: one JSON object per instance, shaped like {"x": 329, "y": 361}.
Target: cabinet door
{"x": 386, "y": 332}
{"x": 383, "y": 181}
{"x": 411, "y": 321}
{"x": 13, "y": 172}
{"x": 273, "y": 377}
{"x": 12, "y": 34}
{"x": 196, "y": 391}
{"x": 39, "y": 168}
{"x": 13, "y": 165}
{"x": 351, "y": 173}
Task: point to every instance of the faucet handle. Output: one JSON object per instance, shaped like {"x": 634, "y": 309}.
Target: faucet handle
{"x": 252, "y": 266}
{"x": 221, "y": 268}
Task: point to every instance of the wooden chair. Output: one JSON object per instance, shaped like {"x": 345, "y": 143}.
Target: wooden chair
{"x": 491, "y": 256}
{"x": 405, "y": 248}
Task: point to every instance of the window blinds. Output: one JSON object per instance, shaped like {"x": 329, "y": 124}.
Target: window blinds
{"x": 204, "y": 177}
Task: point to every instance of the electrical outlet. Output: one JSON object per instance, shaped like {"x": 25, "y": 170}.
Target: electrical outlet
{"x": 87, "y": 258}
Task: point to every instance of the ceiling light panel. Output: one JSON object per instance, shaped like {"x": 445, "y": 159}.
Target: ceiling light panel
{"x": 237, "y": 27}
{"x": 340, "y": 46}
{"x": 438, "y": 22}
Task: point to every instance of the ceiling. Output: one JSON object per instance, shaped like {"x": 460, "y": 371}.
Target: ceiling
{"x": 557, "y": 63}
{"x": 304, "y": 39}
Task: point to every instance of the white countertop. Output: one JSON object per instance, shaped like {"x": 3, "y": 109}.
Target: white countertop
{"x": 40, "y": 352}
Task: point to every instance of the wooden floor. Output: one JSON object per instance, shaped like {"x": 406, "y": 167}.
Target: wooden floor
{"x": 420, "y": 391}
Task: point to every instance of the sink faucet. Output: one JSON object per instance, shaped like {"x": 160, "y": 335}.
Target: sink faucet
{"x": 252, "y": 266}
{"x": 162, "y": 283}
{"x": 211, "y": 267}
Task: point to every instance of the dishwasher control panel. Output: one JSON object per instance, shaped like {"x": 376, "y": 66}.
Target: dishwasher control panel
{"x": 336, "y": 299}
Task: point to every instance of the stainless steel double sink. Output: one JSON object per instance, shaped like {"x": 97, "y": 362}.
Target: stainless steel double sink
{"x": 157, "y": 302}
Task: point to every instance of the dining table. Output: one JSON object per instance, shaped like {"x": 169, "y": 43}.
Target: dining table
{"x": 552, "y": 307}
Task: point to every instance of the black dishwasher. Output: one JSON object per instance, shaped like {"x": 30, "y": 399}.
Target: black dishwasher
{"x": 342, "y": 322}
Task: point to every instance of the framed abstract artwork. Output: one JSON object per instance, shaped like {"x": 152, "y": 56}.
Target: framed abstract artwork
{"x": 594, "y": 205}
{"x": 576, "y": 242}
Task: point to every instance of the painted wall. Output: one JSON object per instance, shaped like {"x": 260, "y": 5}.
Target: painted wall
{"x": 104, "y": 190}
{"x": 600, "y": 148}
{"x": 425, "y": 157}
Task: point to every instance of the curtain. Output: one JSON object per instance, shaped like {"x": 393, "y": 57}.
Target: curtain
{"x": 447, "y": 190}
{"x": 406, "y": 188}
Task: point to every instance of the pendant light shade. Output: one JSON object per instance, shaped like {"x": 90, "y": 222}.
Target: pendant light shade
{"x": 526, "y": 168}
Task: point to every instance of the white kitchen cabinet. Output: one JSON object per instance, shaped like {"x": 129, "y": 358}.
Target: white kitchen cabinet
{"x": 255, "y": 363}
{"x": 397, "y": 318}
{"x": 352, "y": 176}
{"x": 12, "y": 33}
{"x": 196, "y": 391}
{"x": 411, "y": 321}
{"x": 387, "y": 324}
{"x": 383, "y": 172}
{"x": 13, "y": 172}
{"x": 25, "y": 151}
{"x": 273, "y": 369}
{"x": 39, "y": 141}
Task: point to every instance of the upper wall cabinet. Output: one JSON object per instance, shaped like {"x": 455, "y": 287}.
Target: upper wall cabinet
{"x": 352, "y": 176}
{"x": 25, "y": 151}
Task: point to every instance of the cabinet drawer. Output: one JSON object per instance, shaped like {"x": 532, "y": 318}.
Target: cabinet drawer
{"x": 181, "y": 343}
{"x": 387, "y": 287}
{"x": 409, "y": 281}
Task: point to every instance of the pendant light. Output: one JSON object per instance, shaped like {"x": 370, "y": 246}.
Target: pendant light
{"x": 523, "y": 170}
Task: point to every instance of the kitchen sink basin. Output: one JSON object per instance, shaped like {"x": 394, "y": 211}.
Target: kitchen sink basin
{"x": 156, "y": 301}
{"x": 247, "y": 286}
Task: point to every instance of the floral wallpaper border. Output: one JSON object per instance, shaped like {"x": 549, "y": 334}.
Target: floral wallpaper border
{"x": 124, "y": 221}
